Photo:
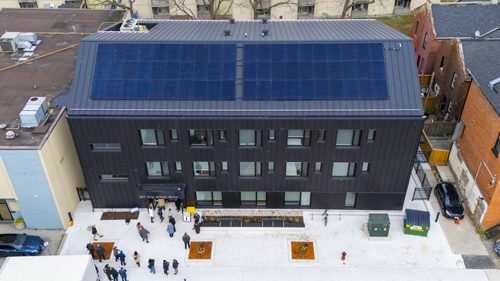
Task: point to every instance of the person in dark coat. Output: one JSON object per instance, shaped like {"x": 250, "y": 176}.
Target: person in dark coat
{"x": 90, "y": 247}
{"x": 197, "y": 227}
{"x": 175, "y": 265}
{"x": 139, "y": 226}
{"x": 160, "y": 214}
{"x": 122, "y": 256}
{"x": 123, "y": 274}
{"x": 144, "y": 234}
{"x": 186, "y": 240}
{"x": 114, "y": 273}
{"x": 178, "y": 204}
{"x": 170, "y": 230}
{"x": 95, "y": 233}
{"x": 116, "y": 252}
{"x": 100, "y": 252}
{"x": 96, "y": 269}
{"x": 172, "y": 221}
{"x": 151, "y": 266}
{"x": 107, "y": 271}
{"x": 196, "y": 217}
{"x": 165, "y": 267}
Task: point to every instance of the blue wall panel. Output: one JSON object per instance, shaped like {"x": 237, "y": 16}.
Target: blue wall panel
{"x": 32, "y": 188}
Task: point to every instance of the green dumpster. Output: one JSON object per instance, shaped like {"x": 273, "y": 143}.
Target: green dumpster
{"x": 378, "y": 225}
{"x": 417, "y": 222}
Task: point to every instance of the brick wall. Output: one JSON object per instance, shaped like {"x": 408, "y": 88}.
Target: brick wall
{"x": 422, "y": 14}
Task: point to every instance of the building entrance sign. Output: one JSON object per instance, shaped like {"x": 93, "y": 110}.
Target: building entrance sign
{"x": 161, "y": 191}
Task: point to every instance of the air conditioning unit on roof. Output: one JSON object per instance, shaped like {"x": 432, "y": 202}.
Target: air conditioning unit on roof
{"x": 130, "y": 25}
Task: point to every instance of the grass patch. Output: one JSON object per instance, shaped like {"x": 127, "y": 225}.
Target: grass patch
{"x": 401, "y": 23}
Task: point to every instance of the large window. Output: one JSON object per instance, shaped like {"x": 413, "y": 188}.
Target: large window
{"x": 118, "y": 177}
{"x": 28, "y": 5}
{"x": 298, "y": 199}
{"x": 204, "y": 169}
{"x": 496, "y": 148}
{"x": 250, "y": 137}
{"x": 348, "y": 137}
{"x": 253, "y": 198}
{"x": 343, "y": 169}
{"x": 106, "y": 146}
{"x": 201, "y": 137}
{"x": 208, "y": 198}
{"x": 250, "y": 169}
{"x": 152, "y": 137}
{"x": 297, "y": 169}
{"x": 159, "y": 11}
{"x": 299, "y": 137}
{"x": 157, "y": 169}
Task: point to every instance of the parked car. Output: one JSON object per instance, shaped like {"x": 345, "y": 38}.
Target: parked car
{"x": 12, "y": 244}
{"x": 450, "y": 202}
{"x": 497, "y": 247}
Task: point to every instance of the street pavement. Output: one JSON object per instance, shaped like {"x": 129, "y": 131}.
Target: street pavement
{"x": 265, "y": 254}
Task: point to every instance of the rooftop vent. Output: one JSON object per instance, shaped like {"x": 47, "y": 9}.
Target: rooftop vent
{"x": 477, "y": 34}
{"x": 231, "y": 21}
{"x": 227, "y": 32}
{"x": 265, "y": 32}
{"x": 264, "y": 21}
{"x": 10, "y": 134}
{"x": 495, "y": 84}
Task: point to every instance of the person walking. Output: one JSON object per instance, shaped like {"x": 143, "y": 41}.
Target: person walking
{"x": 95, "y": 233}
{"x": 165, "y": 267}
{"x": 160, "y": 214}
{"x": 116, "y": 252}
{"x": 114, "y": 273}
{"x": 151, "y": 266}
{"x": 137, "y": 258}
{"x": 144, "y": 234}
{"x": 186, "y": 240}
{"x": 197, "y": 226}
{"x": 196, "y": 217}
{"x": 96, "y": 269}
{"x": 175, "y": 265}
{"x": 151, "y": 214}
{"x": 161, "y": 203}
{"x": 123, "y": 274}
{"x": 169, "y": 212}
{"x": 100, "y": 252}
{"x": 172, "y": 221}
{"x": 90, "y": 248}
{"x": 122, "y": 256}
{"x": 170, "y": 230}
{"x": 178, "y": 204}
{"x": 139, "y": 226}
{"x": 107, "y": 271}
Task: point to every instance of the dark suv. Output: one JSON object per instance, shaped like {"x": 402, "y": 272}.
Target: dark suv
{"x": 20, "y": 245}
{"x": 450, "y": 202}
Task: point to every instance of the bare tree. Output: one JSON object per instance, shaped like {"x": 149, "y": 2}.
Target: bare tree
{"x": 217, "y": 9}
{"x": 265, "y": 6}
{"x": 115, "y": 3}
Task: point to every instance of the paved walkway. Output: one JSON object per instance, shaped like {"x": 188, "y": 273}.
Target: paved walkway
{"x": 264, "y": 254}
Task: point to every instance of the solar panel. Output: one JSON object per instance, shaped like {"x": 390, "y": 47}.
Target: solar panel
{"x": 164, "y": 71}
{"x": 314, "y": 71}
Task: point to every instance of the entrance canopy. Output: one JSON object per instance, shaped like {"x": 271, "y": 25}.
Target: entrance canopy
{"x": 161, "y": 191}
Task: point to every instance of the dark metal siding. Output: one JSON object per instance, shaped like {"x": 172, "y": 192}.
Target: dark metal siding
{"x": 380, "y": 201}
{"x": 391, "y": 156}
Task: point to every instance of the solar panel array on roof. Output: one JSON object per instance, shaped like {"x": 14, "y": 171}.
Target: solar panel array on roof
{"x": 314, "y": 71}
{"x": 164, "y": 71}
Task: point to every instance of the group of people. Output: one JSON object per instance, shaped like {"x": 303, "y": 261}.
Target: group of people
{"x": 166, "y": 264}
{"x": 111, "y": 272}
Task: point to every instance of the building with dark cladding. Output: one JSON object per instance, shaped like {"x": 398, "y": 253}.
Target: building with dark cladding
{"x": 276, "y": 114}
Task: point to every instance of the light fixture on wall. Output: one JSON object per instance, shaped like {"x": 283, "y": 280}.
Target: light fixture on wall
{"x": 494, "y": 178}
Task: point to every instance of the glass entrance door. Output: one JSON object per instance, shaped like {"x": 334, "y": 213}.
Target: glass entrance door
{"x": 4, "y": 211}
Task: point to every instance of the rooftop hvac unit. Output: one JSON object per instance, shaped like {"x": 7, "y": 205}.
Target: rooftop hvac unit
{"x": 39, "y": 101}
{"x": 32, "y": 114}
{"x": 23, "y": 44}
{"x": 8, "y": 42}
{"x": 129, "y": 25}
{"x": 28, "y": 36}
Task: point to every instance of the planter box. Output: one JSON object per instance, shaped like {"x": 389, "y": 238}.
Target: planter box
{"x": 235, "y": 222}
{"x": 210, "y": 224}
{"x": 295, "y": 225}
{"x": 252, "y": 224}
{"x": 20, "y": 225}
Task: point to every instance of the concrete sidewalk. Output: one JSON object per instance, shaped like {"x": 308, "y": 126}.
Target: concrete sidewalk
{"x": 264, "y": 254}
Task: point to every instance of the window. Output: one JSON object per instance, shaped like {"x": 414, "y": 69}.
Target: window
{"x": 453, "y": 80}
{"x": 178, "y": 166}
{"x": 496, "y": 148}
{"x": 421, "y": 69}
{"x": 321, "y": 134}
{"x": 114, "y": 177}
{"x": 441, "y": 64}
{"x": 360, "y": 7}
{"x": 350, "y": 199}
{"x": 222, "y": 134}
{"x": 418, "y": 61}
{"x": 261, "y": 198}
{"x": 317, "y": 166}
{"x": 371, "y": 134}
{"x": 416, "y": 28}
{"x": 299, "y": 137}
{"x": 270, "y": 166}
{"x": 224, "y": 166}
{"x": 201, "y": 137}
{"x": 343, "y": 169}
{"x": 250, "y": 169}
{"x": 306, "y": 10}
{"x": 28, "y": 5}
{"x": 106, "y": 146}
{"x": 202, "y": 8}
{"x": 298, "y": 199}
{"x": 272, "y": 134}
{"x": 425, "y": 41}
{"x": 348, "y": 137}
{"x": 157, "y": 169}
{"x": 207, "y": 198}
{"x": 297, "y": 169}
{"x": 250, "y": 137}
{"x": 253, "y": 198}
{"x": 263, "y": 12}
{"x": 204, "y": 169}
{"x": 152, "y": 137}
{"x": 160, "y": 11}
{"x": 365, "y": 167}
{"x": 173, "y": 134}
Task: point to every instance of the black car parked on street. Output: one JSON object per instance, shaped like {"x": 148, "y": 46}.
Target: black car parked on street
{"x": 450, "y": 202}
